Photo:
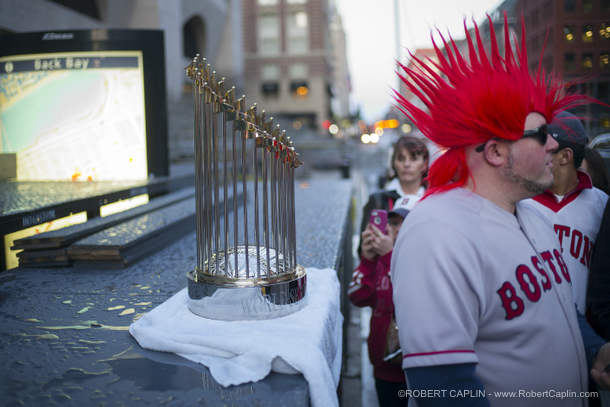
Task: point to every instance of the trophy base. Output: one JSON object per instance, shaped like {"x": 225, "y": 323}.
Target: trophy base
{"x": 216, "y": 297}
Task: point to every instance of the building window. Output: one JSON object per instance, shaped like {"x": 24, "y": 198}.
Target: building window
{"x": 193, "y": 37}
{"x": 568, "y": 31}
{"x": 298, "y": 32}
{"x": 569, "y": 61}
{"x": 268, "y": 34}
{"x": 548, "y": 64}
{"x": 604, "y": 31}
{"x": 270, "y": 72}
{"x": 270, "y": 89}
{"x": 534, "y": 67}
{"x": 267, "y": 2}
{"x": 587, "y": 33}
{"x": 587, "y": 61}
{"x": 532, "y": 44}
{"x": 569, "y": 6}
{"x": 299, "y": 89}
{"x": 602, "y": 90}
{"x": 587, "y": 6}
{"x": 535, "y": 44}
{"x": 604, "y": 61}
{"x": 298, "y": 71}
{"x": 547, "y": 10}
{"x": 297, "y": 45}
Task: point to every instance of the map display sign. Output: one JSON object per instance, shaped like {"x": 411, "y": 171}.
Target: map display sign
{"x": 74, "y": 116}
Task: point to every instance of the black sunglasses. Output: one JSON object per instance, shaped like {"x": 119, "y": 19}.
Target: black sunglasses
{"x": 539, "y": 133}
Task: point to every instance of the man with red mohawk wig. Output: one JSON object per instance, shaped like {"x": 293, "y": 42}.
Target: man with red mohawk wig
{"x": 482, "y": 293}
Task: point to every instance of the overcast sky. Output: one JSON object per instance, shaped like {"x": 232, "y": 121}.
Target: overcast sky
{"x": 371, "y": 45}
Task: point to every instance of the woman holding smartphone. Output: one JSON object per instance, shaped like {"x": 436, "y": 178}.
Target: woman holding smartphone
{"x": 371, "y": 286}
{"x": 409, "y": 164}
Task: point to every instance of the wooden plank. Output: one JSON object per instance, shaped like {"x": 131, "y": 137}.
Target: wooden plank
{"x": 138, "y": 252}
{"x": 43, "y": 253}
{"x": 135, "y": 231}
{"x": 46, "y": 264}
{"x": 66, "y": 236}
{"x": 125, "y": 243}
{"x": 44, "y": 258}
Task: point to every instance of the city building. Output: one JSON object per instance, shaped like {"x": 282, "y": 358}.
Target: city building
{"x": 497, "y": 19}
{"x": 289, "y": 55}
{"x": 575, "y": 37}
{"x": 426, "y": 56}
{"x": 211, "y": 28}
{"x": 341, "y": 83}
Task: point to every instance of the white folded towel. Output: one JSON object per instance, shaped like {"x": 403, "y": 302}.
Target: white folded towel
{"x": 307, "y": 341}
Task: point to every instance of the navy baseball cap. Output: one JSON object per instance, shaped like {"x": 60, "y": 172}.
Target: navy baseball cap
{"x": 567, "y": 127}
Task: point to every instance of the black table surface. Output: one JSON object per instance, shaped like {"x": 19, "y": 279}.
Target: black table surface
{"x": 64, "y": 332}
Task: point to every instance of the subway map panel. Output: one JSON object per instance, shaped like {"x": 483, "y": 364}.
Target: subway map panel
{"x": 74, "y": 116}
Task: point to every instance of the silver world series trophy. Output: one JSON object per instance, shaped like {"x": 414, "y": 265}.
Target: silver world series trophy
{"x": 242, "y": 280}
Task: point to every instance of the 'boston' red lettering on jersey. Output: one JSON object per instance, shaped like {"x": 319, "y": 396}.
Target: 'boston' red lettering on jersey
{"x": 529, "y": 285}
{"x": 581, "y": 246}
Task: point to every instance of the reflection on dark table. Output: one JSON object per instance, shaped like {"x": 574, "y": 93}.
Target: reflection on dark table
{"x": 64, "y": 332}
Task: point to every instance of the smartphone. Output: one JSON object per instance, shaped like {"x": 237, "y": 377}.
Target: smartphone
{"x": 379, "y": 218}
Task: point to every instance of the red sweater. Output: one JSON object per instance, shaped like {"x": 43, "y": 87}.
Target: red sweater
{"x": 371, "y": 287}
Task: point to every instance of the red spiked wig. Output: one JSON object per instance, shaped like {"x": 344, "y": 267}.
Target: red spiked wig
{"x": 470, "y": 100}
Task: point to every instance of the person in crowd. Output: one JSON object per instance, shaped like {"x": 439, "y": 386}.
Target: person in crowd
{"x": 410, "y": 165}
{"x": 480, "y": 284}
{"x": 572, "y": 204}
{"x": 371, "y": 287}
{"x": 594, "y": 165}
{"x": 598, "y": 289}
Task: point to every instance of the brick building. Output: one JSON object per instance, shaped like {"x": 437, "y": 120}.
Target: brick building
{"x": 577, "y": 37}
{"x": 288, "y": 57}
